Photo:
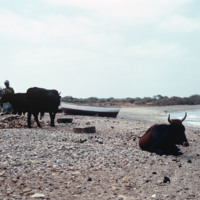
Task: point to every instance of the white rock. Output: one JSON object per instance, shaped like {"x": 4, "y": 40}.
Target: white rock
{"x": 2, "y": 173}
{"x": 38, "y": 195}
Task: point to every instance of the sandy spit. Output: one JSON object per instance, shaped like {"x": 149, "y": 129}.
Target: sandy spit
{"x": 55, "y": 163}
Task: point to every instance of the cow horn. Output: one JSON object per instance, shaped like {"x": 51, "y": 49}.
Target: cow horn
{"x": 184, "y": 117}
{"x": 169, "y": 120}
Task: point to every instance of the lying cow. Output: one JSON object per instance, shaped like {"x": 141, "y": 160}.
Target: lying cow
{"x": 42, "y": 100}
{"x": 162, "y": 139}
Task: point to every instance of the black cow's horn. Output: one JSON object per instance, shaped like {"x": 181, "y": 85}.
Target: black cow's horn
{"x": 184, "y": 117}
{"x": 169, "y": 119}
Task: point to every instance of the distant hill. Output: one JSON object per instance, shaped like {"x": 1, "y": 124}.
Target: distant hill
{"x": 157, "y": 100}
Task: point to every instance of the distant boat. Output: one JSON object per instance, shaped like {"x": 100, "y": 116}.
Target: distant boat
{"x": 71, "y": 109}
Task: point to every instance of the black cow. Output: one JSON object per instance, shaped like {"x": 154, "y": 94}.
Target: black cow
{"x": 35, "y": 101}
{"x": 162, "y": 139}
{"x": 20, "y": 104}
{"x": 18, "y": 101}
{"x": 42, "y": 100}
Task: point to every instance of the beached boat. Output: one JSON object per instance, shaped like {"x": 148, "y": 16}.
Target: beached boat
{"x": 71, "y": 109}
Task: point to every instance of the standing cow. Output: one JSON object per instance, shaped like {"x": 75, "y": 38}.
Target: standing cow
{"x": 162, "y": 139}
{"x": 42, "y": 100}
{"x": 35, "y": 101}
{"x": 18, "y": 101}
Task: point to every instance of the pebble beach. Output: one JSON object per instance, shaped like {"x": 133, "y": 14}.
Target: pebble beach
{"x": 56, "y": 163}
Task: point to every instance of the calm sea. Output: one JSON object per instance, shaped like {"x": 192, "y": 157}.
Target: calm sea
{"x": 193, "y": 117}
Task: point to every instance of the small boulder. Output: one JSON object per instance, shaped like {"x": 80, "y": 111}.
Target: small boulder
{"x": 166, "y": 180}
{"x": 90, "y": 129}
{"x": 64, "y": 120}
{"x": 38, "y": 195}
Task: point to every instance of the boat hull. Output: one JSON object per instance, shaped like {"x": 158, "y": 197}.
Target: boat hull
{"x": 89, "y": 113}
{"x": 70, "y": 109}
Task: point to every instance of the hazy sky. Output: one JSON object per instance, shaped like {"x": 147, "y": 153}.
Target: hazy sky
{"x": 101, "y": 48}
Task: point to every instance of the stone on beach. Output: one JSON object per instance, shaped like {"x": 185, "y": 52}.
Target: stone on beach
{"x": 64, "y": 120}
{"x": 38, "y": 195}
{"x": 90, "y": 129}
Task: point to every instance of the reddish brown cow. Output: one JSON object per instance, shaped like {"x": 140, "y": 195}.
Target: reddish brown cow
{"x": 162, "y": 139}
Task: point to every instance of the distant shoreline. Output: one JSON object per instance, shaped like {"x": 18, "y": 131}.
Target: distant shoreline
{"x": 155, "y": 114}
{"x": 157, "y": 100}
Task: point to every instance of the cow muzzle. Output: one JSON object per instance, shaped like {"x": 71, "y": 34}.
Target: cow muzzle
{"x": 185, "y": 144}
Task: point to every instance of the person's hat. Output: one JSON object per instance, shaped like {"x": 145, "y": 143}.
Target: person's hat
{"x": 7, "y": 81}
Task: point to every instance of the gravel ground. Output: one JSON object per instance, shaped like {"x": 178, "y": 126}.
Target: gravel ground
{"x": 56, "y": 163}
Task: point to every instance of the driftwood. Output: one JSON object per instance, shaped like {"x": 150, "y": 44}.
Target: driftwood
{"x": 64, "y": 120}
{"x": 90, "y": 129}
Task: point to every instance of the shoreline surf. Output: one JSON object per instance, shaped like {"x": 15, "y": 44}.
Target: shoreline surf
{"x": 160, "y": 114}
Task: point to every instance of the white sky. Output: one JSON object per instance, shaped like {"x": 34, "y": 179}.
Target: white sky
{"x": 101, "y": 48}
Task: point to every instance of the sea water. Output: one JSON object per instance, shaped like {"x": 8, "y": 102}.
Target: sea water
{"x": 193, "y": 117}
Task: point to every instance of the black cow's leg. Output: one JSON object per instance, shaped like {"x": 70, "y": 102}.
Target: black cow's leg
{"x": 159, "y": 151}
{"x": 52, "y": 116}
{"x": 36, "y": 119}
{"x": 29, "y": 119}
{"x": 174, "y": 150}
{"x": 156, "y": 147}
